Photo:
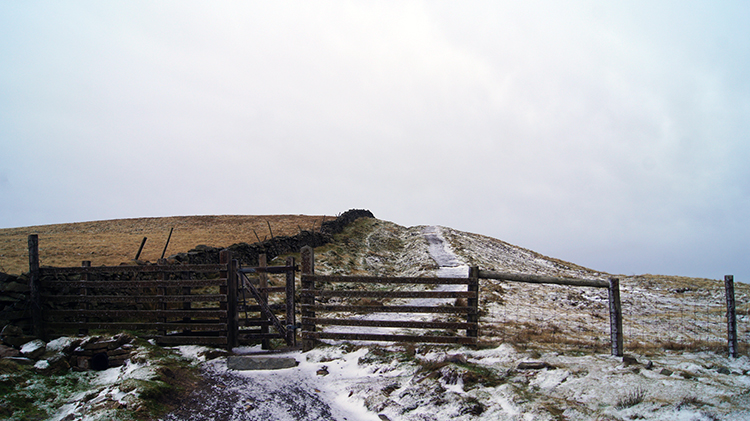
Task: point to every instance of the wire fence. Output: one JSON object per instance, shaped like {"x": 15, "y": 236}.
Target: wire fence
{"x": 657, "y": 315}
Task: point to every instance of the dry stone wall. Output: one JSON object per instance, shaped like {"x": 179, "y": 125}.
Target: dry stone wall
{"x": 247, "y": 254}
{"x": 14, "y": 290}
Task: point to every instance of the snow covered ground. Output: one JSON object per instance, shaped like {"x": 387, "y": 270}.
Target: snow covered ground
{"x": 545, "y": 352}
{"x": 565, "y": 378}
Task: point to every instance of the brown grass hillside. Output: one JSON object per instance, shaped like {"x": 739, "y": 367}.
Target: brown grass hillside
{"x": 116, "y": 241}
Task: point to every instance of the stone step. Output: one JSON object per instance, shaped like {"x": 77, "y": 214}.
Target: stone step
{"x": 240, "y": 362}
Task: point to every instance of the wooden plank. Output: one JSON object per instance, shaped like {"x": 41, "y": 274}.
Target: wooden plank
{"x": 254, "y": 322}
{"x": 259, "y": 336}
{"x": 196, "y": 313}
{"x": 276, "y": 308}
{"x": 535, "y": 279}
{"x": 389, "y": 338}
{"x": 390, "y": 323}
{"x": 389, "y": 294}
{"x": 135, "y": 284}
{"x": 386, "y": 280}
{"x": 133, "y": 298}
{"x": 269, "y": 269}
{"x": 266, "y": 310}
{"x": 272, "y": 289}
{"x": 136, "y": 268}
{"x": 140, "y": 325}
{"x": 388, "y": 309}
{"x": 191, "y": 340}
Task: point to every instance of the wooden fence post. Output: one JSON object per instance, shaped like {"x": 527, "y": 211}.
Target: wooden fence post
{"x": 263, "y": 284}
{"x": 473, "y": 303}
{"x": 308, "y": 268}
{"x": 731, "y": 316}
{"x": 233, "y": 316}
{"x": 230, "y": 274}
{"x": 35, "y": 284}
{"x": 615, "y": 317}
{"x": 291, "y": 322}
{"x": 84, "y": 291}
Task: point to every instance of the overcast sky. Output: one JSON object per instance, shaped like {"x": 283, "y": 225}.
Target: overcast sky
{"x": 611, "y": 134}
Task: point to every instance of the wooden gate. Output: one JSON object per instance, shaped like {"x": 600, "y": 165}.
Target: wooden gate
{"x": 461, "y": 314}
{"x": 256, "y": 311}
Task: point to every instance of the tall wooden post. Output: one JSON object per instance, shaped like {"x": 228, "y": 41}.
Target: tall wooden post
{"x": 615, "y": 317}
{"x": 161, "y": 305}
{"x": 84, "y": 305}
{"x": 233, "y": 316}
{"x": 262, "y": 287}
{"x": 308, "y": 268}
{"x": 35, "y": 284}
{"x": 230, "y": 274}
{"x": 291, "y": 322}
{"x": 473, "y": 303}
{"x": 731, "y": 316}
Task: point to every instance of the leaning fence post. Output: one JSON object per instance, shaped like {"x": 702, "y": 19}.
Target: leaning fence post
{"x": 615, "y": 317}
{"x": 35, "y": 284}
{"x": 731, "y": 316}
{"x": 308, "y": 268}
{"x": 473, "y": 303}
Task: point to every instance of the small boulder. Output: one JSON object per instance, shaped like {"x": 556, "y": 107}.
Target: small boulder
{"x": 57, "y": 364}
{"x": 533, "y": 365}
{"x": 456, "y": 359}
{"x": 6, "y": 351}
{"x": 34, "y": 349}
{"x": 212, "y": 354}
{"x": 629, "y": 360}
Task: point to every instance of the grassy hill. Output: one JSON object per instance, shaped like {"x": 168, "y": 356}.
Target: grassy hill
{"x": 674, "y": 327}
{"x": 116, "y": 241}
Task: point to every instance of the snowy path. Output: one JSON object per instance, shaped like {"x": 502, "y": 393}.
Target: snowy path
{"x": 449, "y": 266}
{"x": 293, "y": 394}
{"x": 443, "y": 255}
{"x": 299, "y": 393}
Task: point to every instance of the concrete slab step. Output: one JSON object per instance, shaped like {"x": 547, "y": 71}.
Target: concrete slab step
{"x": 243, "y": 362}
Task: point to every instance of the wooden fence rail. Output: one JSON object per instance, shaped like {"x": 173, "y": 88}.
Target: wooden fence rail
{"x": 317, "y": 287}
{"x": 166, "y": 299}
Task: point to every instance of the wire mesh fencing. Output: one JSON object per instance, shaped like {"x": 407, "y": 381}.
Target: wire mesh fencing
{"x": 659, "y": 313}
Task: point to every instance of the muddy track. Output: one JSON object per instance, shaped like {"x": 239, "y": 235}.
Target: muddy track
{"x": 243, "y": 396}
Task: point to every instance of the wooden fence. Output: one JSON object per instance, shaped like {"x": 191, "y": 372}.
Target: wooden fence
{"x": 179, "y": 304}
{"x": 317, "y": 287}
